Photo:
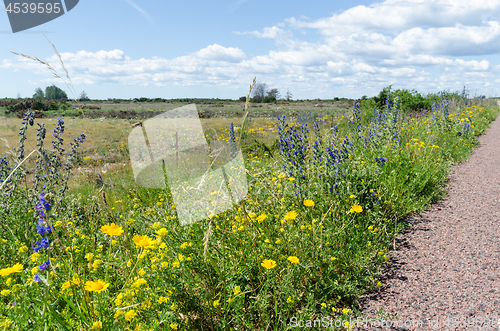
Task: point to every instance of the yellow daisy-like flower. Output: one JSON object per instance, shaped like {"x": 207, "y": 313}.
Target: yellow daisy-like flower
{"x": 308, "y": 203}
{"x": 356, "y": 209}
{"x": 293, "y": 259}
{"x": 97, "y": 286}
{"x": 7, "y": 271}
{"x": 143, "y": 241}
{"x": 261, "y": 218}
{"x": 112, "y": 230}
{"x": 268, "y": 264}
{"x": 291, "y": 215}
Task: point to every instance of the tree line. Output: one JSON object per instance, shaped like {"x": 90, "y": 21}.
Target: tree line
{"x": 262, "y": 93}
{"x": 55, "y": 93}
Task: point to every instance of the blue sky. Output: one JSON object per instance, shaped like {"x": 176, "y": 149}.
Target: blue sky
{"x": 315, "y": 49}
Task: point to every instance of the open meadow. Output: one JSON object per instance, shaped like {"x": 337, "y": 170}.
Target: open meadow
{"x": 83, "y": 247}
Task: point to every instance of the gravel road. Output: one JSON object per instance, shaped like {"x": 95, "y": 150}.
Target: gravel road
{"x": 445, "y": 272}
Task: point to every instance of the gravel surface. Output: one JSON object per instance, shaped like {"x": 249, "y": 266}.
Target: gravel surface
{"x": 448, "y": 264}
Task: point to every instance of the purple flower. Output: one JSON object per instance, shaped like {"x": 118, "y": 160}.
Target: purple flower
{"x": 43, "y": 243}
{"x": 44, "y": 265}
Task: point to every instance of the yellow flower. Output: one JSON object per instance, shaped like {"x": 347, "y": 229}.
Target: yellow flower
{"x": 7, "y": 271}
{"x": 291, "y": 215}
{"x": 162, "y": 232}
{"x": 97, "y": 326}
{"x": 5, "y": 292}
{"x": 130, "y": 315}
{"x": 291, "y": 179}
{"x": 139, "y": 282}
{"x": 143, "y": 241}
{"x": 112, "y": 229}
{"x": 174, "y": 326}
{"x": 70, "y": 283}
{"x": 89, "y": 256}
{"x": 236, "y": 290}
{"x": 261, "y": 218}
{"x": 119, "y": 299}
{"x": 293, "y": 259}
{"x": 97, "y": 286}
{"x": 216, "y": 303}
{"x": 356, "y": 208}
{"x": 348, "y": 325}
{"x": 23, "y": 249}
{"x": 268, "y": 264}
{"x": 289, "y": 300}
{"x": 308, "y": 203}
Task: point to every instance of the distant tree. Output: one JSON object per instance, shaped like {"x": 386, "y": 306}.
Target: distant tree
{"x": 243, "y": 98}
{"x": 382, "y": 96}
{"x": 84, "y": 96}
{"x": 38, "y": 94}
{"x": 259, "y": 91}
{"x": 364, "y": 97}
{"x": 55, "y": 93}
{"x": 274, "y": 93}
{"x": 288, "y": 95}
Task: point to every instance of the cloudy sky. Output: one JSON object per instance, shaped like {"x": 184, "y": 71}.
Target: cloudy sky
{"x": 213, "y": 49}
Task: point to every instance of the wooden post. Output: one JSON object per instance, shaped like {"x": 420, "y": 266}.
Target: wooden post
{"x": 177, "y": 148}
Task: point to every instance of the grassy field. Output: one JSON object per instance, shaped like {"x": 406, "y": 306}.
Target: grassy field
{"x": 329, "y": 189}
{"x": 126, "y": 109}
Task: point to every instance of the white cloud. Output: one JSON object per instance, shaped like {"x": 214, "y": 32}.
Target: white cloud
{"x": 268, "y": 32}
{"x": 220, "y": 53}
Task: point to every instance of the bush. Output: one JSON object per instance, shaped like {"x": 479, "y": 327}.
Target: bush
{"x": 269, "y": 99}
{"x": 409, "y": 100}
